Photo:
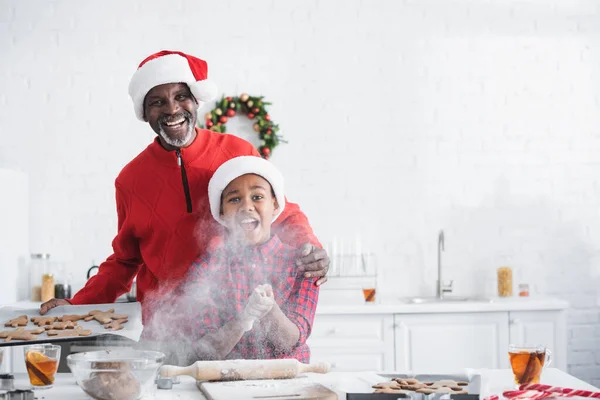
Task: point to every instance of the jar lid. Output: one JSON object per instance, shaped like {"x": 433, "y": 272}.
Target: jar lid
{"x": 40, "y": 256}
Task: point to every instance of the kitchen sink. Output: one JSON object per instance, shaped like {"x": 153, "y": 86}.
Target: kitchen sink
{"x": 446, "y": 299}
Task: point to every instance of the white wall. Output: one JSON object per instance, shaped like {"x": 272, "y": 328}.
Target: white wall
{"x": 14, "y": 236}
{"x": 403, "y": 118}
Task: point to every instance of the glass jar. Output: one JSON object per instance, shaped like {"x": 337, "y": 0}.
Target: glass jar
{"x": 62, "y": 286}
{"x": 524, "y": 289}
{"x": 505, "y": 282}
{"x": 39, "y": 265}
{"x": 47, "y": 290}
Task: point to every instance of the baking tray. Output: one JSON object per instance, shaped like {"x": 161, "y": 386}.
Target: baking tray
{"x": 474, "y": 388}
{"x": 474, "y": 380}
{"x": 131, "y": 330}
{"x": 391, "y": 396}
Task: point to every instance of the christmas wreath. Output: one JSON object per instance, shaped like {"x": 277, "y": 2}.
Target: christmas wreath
{"x": 254, "y": 108}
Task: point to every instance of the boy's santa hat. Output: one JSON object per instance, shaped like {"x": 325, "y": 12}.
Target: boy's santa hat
{"x": 237, "y": 167}
{"x": 170, "y": 67}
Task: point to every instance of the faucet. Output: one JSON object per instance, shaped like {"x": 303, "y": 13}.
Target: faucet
{"x": 441, "y": 286}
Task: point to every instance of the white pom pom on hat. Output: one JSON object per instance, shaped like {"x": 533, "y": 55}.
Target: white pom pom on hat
{"x": 237, "y": 167}
{"x": 170, "y": 67}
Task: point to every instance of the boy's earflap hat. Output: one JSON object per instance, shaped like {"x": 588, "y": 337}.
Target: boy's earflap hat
{"x": 237, "y": 167}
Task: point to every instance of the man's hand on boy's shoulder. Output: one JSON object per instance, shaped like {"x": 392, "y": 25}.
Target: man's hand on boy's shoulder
{"x": 313, "y": 261}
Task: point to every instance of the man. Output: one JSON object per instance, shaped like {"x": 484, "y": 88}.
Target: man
{"x": 164, "y": 220}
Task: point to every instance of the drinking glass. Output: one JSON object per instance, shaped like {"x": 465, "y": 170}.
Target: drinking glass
{"x": 41, "y": 361}
{"x": 527, "y": 362}
{"x": 369, "y": 277}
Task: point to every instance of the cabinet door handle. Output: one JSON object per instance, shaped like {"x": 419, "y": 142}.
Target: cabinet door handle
{"x": 514, "y": 321}
{"x": 334, "y": 365}
{"x": 334, "y": 331}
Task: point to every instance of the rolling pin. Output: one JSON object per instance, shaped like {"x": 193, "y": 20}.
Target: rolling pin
{"x": 231, "y": 370}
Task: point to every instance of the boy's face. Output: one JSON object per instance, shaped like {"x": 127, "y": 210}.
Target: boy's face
{"x": 248, "y": 207}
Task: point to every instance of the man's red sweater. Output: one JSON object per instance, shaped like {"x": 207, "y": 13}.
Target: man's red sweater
{"x": 164, "y": 220}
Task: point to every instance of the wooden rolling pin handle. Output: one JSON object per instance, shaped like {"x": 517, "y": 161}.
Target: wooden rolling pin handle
{"x": 318, "y": 367}
{"x": 169, "y": 371}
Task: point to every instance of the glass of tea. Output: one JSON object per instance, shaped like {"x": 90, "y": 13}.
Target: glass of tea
{"x": 41, "y": 361}
{"x": 527, "y": 362}
{"x": 369, "y": 277}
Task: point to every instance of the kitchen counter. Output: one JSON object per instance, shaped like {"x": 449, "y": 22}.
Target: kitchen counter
{"x": 493, "y": 381}
{"x": 398, "y": 306}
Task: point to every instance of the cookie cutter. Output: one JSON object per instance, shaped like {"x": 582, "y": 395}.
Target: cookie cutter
{"x": 18, "y": 395}
{"x": 7, "y": 382}
{"x": 166, "y": 383}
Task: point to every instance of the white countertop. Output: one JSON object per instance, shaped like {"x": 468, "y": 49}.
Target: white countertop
{"x": 493, "y": 382}
{"x": 397, "y": 306}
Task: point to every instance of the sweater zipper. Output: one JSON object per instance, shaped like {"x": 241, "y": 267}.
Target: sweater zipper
{"x": 184, "y": 179}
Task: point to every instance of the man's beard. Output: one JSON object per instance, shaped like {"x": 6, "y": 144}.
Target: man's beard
{"x": 175, "y": 142}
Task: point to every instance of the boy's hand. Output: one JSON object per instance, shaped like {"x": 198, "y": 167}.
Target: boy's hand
{"x": 259, "y": 304}
{"x": 50, "y": 304}
{"x": 314, "y": 261}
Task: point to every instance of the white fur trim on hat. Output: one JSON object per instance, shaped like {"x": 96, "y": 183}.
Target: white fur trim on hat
{"x": 169, "y": 68}
{"x": 237, "y": 167}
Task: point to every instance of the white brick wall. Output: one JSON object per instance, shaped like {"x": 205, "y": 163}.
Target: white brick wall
{"x": 403, "y": 117}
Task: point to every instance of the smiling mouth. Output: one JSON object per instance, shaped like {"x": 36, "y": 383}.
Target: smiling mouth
{"x": 175, "y": 123}
{"x": 248, "y": 224}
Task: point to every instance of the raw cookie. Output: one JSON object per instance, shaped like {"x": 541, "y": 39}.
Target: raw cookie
{"x": 104, "y": 317}
{"x": 115, "y": 325}
{"x": 71, "y": 317}
{"x": 413, "y": 387}
{"x": 79, "y": 331}
{"x": 21, "y": 334}
{"x": 62, "y": 325}
{"x": 19, "y": 321}
{"x": 387, "y": 385}
{"x": 41, "y": 321}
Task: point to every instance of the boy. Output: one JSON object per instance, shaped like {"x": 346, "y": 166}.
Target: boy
{"x": 250, "y": 300}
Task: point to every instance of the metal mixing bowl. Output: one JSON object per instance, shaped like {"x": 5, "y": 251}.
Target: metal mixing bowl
{"x": 125, "y": 374}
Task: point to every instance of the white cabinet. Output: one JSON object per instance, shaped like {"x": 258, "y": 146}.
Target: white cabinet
{"x": 450, "y": 342}
{"x": 354, "y": 342}
{"x": 433, "y": 341}
{"x": 546, "y": 328}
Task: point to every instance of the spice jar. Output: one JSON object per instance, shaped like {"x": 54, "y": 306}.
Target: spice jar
{"x": 523, "y": 289}
{"x": 505, "y": 282}
{"x": 62, "y": 287}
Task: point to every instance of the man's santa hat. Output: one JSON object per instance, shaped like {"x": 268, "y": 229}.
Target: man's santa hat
{"x": 237, "y": 167}
{"x": 170, "y": 67}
